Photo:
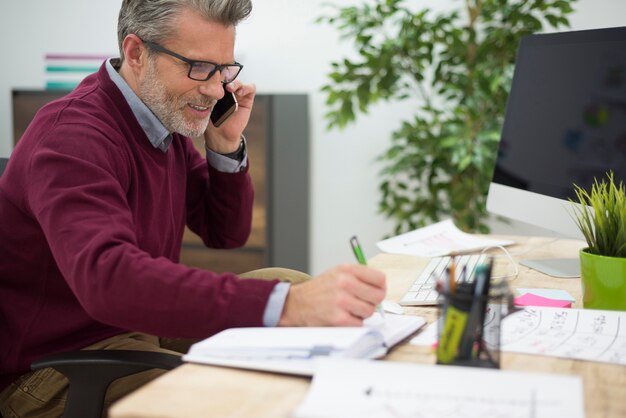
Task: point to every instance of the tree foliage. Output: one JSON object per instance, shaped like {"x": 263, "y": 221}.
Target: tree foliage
{"x": 455, "y": 69}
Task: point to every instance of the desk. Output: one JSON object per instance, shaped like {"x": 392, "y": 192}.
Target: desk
{"x": 198, "y": 391}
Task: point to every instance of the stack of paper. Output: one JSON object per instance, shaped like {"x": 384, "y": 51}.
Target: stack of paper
{"x": 436, "y": 240}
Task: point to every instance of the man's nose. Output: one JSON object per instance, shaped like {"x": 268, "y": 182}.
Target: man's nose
{"x": 212, "y": 87}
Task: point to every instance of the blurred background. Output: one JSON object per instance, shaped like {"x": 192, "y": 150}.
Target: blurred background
{"x": 285, "y": 52}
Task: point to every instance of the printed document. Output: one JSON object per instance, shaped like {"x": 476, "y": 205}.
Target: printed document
{"x": 388, "y": 389}
{"x": 440, "y": 239}
{"x": 579, "y": 334}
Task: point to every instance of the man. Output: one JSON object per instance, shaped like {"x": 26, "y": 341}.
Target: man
{"x": 96, "y": 195}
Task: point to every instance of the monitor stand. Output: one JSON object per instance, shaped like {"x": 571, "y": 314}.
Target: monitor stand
{"x": 564, "y": 268}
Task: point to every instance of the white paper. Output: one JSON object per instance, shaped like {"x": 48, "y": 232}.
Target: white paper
{"x": 385, "y": 389}
{"x": 394, "y": 328}
{"x": 440, "y": 239}
{"x": 427, "y": 337}
{"x": 581, "y": 334}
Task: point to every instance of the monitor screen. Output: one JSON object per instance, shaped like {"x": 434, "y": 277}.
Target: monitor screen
{"x": 565, "y": 124}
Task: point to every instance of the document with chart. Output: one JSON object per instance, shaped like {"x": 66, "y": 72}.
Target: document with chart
{"x": 579, "y": 334}
{"x": 582, "y": 334}
{"x": 442, "y": 238}
{"x": 390, "y": 389}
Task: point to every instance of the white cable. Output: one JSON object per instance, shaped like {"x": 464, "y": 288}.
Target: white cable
{"x": 509, "y": 256}
{"x": 513, "y": 262}
{"x": 534, "y": 247}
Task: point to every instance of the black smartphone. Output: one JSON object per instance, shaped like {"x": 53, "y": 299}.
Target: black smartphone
{"x": 224, "y": 108}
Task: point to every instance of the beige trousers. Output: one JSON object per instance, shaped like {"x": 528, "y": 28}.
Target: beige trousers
{"x": 42, "y": 393}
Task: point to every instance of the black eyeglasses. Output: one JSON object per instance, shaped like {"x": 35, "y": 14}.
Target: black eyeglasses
{"x": 202, "y": 70}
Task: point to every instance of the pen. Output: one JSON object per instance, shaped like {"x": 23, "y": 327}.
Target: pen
{"x": 452, "y": 278}
{"x": 360, "y": 257}
{"x": 476, "y": 313}
{"x": 485, "y": 295}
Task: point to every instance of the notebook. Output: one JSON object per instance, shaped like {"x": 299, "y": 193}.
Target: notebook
{"x": 292, "y": 350}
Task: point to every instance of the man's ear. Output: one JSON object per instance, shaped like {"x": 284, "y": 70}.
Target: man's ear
{"x": 135, "y": 53}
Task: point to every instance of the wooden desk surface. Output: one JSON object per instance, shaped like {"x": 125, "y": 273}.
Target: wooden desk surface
{"x": 197, "y": 390}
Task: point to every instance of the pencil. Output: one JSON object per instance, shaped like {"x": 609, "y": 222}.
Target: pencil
{"x": 452, "y": 276}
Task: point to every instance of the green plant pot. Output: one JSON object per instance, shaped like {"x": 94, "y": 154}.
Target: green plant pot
{"x": 603, "y": 281}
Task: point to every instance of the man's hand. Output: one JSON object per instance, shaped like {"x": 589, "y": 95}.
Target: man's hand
{"x": 227, "y": 137}
{"x": 342, "y": 296}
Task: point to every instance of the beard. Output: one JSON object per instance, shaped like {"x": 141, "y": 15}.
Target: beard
{"x": 170, "y": 108}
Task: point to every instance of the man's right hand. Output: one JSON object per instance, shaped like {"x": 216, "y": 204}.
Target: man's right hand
{"x": 342, "y": 296}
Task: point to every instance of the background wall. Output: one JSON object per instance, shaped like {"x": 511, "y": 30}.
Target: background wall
{"x": 284, "y": 51}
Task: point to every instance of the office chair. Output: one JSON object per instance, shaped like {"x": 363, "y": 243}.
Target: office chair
{"x": 90, "y": 372}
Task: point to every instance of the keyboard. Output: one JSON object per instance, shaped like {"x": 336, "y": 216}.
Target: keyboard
{"x": 422, "y": 290}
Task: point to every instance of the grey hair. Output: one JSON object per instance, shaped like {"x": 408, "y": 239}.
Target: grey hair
{"x": 155, "y": 20}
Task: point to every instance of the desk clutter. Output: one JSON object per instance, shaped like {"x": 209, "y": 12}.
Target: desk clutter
{"x": 592, "y": 342}
{"x": 479, "y": 318}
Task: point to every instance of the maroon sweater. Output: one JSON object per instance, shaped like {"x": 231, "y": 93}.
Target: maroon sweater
{"x": 91, "y": 225}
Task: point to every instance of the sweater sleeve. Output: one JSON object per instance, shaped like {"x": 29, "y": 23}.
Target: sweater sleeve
{"x": 219, "y": 204}
{"x": 76, "y": 191}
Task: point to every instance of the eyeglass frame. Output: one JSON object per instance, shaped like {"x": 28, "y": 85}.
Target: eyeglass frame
{"x": 218, "y": 67}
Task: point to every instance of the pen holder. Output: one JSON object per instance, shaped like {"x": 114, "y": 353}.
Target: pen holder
{"x": 469, "y": 326}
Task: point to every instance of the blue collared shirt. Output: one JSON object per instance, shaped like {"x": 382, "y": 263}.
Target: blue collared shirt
{"x": 161, "y": 138}
{"x": 158, "y": 135}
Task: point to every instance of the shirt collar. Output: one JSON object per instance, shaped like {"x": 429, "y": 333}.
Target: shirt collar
{"x": 157, "y": 134}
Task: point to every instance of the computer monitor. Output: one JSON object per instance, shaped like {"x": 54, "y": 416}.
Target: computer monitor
{"x": 565, "y": 124}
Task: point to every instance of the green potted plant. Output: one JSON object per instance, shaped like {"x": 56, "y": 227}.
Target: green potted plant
{"x": 454, "y": 68}
{"x": 601, "y": 217}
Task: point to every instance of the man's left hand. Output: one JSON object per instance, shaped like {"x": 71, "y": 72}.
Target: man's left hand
{"x": 227, "y": 137}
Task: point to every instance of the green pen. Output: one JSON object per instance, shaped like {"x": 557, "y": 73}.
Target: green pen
{"x": 358, "y": 253}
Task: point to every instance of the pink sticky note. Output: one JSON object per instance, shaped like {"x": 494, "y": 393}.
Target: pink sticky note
{"x": 529, "y": 299}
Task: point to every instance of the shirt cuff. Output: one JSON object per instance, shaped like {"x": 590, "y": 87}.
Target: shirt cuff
{"x": 226, "y": 164}
{"x": 275, "y": 304}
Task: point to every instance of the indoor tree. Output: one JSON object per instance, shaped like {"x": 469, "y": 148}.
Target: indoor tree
{"x": 455, "y": 70}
